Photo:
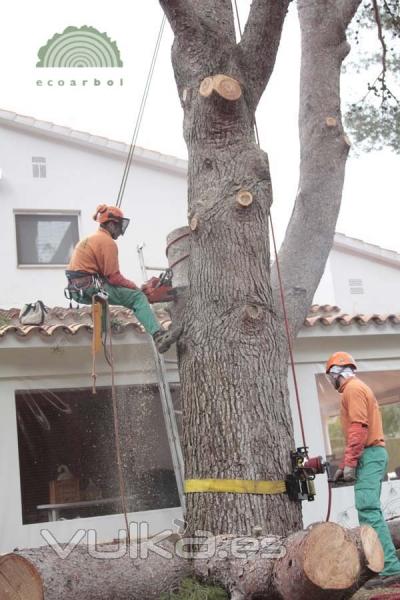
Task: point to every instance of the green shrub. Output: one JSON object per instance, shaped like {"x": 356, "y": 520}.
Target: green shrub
{"x": 193, "y": 590}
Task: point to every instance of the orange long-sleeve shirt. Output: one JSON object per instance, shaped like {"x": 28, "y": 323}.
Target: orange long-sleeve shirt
{"x": 98, "y": 253}
{"x": 361, "y": 419}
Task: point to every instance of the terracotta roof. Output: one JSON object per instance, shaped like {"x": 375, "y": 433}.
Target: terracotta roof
{"x": 72, "y": 321}
{"x": 328, "y": 315}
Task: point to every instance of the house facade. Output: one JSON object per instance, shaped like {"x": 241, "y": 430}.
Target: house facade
{"x": 57, "y": 443}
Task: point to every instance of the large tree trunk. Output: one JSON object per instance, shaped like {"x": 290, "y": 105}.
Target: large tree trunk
{"x": 324, "y": 562}
{"x": 233, "y": 353}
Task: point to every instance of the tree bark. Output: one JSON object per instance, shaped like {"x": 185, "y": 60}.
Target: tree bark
{"x": 323, "y": 153}
{"x": 323, "y": 562}
{"x": 40, "y": 574}
{"x": 233, "y": 353}
{"x": 233, "y": 357}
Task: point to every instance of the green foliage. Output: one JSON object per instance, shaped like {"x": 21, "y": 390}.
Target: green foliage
{"x": 374, "y": 119}
{"x": 193, "y": 590}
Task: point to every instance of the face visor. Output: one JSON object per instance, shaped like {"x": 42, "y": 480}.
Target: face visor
{"x": 123, "y": 224}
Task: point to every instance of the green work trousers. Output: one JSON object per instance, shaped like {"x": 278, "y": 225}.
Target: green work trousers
{"x": 370, "y": 473}
{"x": 121, "y": 296}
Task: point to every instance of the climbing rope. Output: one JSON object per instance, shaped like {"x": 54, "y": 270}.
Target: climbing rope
{"x": 139, "y": 117}
{"x": 116, "y": 427}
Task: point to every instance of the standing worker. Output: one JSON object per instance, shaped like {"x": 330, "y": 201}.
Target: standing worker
{"x": 365, "y": 457}
{"x": 94, "y": 265}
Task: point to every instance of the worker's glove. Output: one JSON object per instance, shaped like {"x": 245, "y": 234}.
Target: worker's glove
{"x": 148, "y": 287}
{"x": 349, "y": 474}
{"x": 338, "y": 476}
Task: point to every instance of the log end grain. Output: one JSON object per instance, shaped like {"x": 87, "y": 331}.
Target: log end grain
{"x": 331, "y": 559}
{"x": 372, "y": 548}
{"x": 19, "y": 580}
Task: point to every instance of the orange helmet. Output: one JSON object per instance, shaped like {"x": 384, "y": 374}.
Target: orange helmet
{"x": 340, "y": 359}
{"x": 105, "y": 213}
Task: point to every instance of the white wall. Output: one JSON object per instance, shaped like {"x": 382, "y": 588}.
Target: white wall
{"x": 380, "y": 283}
{"x": 78, "y": 179}
{"x": 28, "y": 365}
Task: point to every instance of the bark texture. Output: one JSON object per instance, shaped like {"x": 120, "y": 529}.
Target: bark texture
{"x": 236, "y": 417}
{"x": 39, "y": 574}
{"x": 323, "y": 562}
{"x": 233, "y": 353}
{"x": 323, "y": 153}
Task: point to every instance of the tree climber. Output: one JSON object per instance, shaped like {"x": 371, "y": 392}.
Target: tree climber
{"x": 94, "y": 264}
{"x": 365, "y": 457}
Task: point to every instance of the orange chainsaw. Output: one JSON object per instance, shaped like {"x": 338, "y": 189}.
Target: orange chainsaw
{"x": 159, "y": 289}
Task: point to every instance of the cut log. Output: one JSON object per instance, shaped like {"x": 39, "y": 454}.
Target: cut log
{"x": 40, "y": 574}
{"x": 323, "y": 562}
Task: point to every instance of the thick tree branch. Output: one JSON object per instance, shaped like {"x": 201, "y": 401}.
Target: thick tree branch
{"x": 260, "y": 42}
{"x": 197, "y": 19}
{"x": 204, "y": 39}
{"x": 348, "y": 9}
{"x": 179, "y": 13}
{"x": 324, "y": 149}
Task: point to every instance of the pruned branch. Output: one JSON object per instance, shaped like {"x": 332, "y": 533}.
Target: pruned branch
{"x": 260, "y": 42}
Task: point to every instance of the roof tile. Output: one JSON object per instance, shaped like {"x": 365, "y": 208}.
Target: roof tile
{"x": 74, "y": 320}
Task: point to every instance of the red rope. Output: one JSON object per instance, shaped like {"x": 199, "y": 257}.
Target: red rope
{"x": 293, "y": 368}
{"x": 179, "y": 260}
{"x": 174, "y": 242}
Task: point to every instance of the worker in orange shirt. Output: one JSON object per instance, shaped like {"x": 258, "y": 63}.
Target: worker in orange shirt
{"x": 94, "y": 265}
{"x": 365, "y": 457}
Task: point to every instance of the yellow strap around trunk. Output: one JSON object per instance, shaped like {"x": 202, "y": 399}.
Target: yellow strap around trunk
{"x": 234, "y": 486}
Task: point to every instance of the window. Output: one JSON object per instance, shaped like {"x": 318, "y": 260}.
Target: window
{"x": 67, "y": 454}
{"x": 386, "y": 386}
{"x": 39, "y": 167}
{"x": 356, "y": 286}
{"x": 45, "y": 239}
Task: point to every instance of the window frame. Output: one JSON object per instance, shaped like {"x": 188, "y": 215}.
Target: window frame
{"x": 39, "y": 167}
{"x": 42, "y": 212}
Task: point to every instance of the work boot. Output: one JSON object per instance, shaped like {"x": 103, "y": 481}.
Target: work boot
{"x": 384, "y": 581}
{"x": 164, "y": 339}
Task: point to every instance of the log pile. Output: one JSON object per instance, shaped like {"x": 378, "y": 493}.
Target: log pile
{"x": 323, "y": 562}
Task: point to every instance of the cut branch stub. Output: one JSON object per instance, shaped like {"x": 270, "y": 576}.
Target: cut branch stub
{"x": 244, "y": 198}
{"x": 331, "y": 121}
{"x": 223, "y": 85}
{"x": 194, "y": 223}
{"x": 206, "y": 87}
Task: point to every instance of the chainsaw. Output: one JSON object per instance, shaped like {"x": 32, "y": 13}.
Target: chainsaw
{"x": 159, "y": 289}
{"x": 300, "y": 482}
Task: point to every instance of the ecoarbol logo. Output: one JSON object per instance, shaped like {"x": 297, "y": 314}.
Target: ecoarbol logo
{"x": 79, "y": 48}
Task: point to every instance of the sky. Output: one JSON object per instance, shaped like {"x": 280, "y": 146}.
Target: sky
{"x": 370, "y": 208}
